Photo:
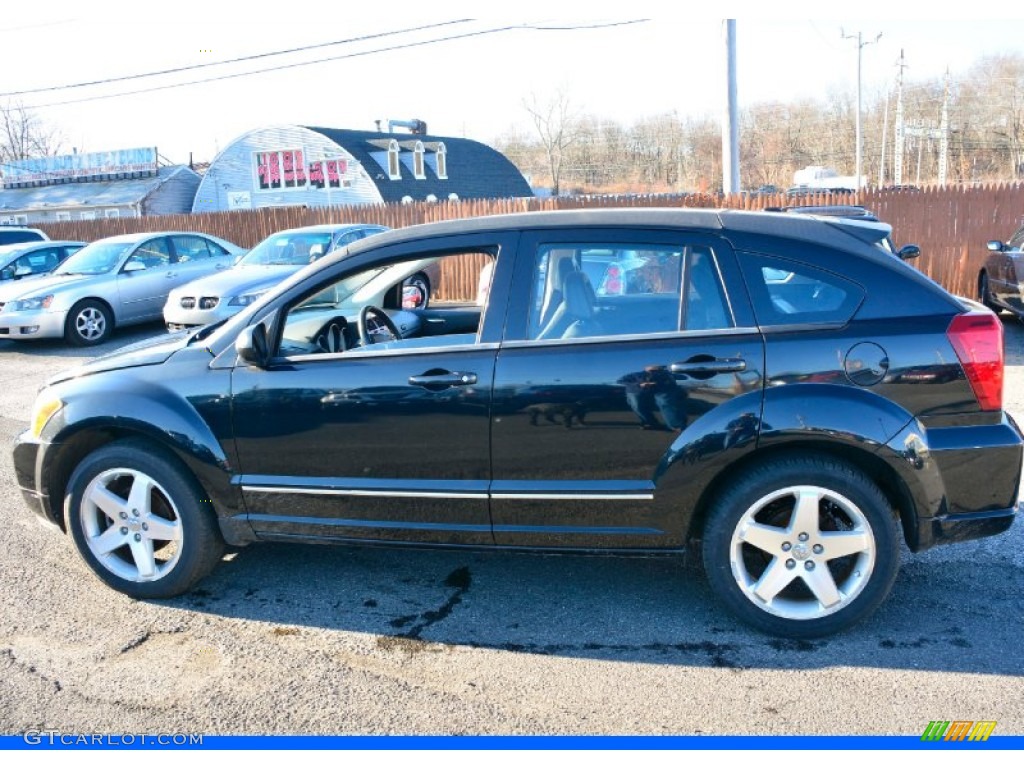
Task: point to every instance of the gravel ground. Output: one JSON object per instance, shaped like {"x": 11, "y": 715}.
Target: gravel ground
{"x": 306, "y": 639}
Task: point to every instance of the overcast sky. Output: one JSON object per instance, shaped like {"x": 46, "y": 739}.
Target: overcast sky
{"x": 471, "y": 84}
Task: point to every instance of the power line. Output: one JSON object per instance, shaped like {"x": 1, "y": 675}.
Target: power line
{"x": 280, "y": 67}
{"x": 252, "y": 57}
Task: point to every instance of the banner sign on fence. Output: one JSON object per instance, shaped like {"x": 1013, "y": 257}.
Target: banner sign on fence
{"x": 86, "y": 166}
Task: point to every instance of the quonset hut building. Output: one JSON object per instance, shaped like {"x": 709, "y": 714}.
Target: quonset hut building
{"x": 299, "y": 165}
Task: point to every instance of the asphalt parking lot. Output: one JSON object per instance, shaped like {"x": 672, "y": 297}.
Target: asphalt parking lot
{"x": 342, "y": 640}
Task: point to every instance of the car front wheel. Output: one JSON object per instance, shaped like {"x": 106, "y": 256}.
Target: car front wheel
{"x": 89, "y": 322}
{"x": 140, "y": 522}
{"x": 802, "y": 547}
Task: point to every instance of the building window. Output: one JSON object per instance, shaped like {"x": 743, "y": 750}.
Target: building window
{"x": 87, "y": 215}
{"x": 63, "y": 215}
{"x": 283, "y": 169}
{"x": 112, "y": 213}
{"x": 394, "y": 171}
{"x": 417, "y": 161}
{"x": 442, "y": 161}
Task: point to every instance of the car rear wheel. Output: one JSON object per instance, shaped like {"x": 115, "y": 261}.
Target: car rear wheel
{"x": 139, "y": 521}
{"x": 802, "y": 547}
{"x": 89, "y": 322}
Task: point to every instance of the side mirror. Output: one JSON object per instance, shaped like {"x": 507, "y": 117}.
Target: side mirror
{"x": 252, "y": 347}
{"x": 133, "y": 266}
{"x": 908, "y": 252}
{"x": 7, "y": 273}
{"x": 996, "y": 245}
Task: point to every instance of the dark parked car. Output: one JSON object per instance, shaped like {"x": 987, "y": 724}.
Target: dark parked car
{"x": 1001, "y": 280}
{"x": 785, "y": 396}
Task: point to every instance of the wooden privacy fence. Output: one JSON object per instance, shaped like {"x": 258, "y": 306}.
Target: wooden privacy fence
{"x": 951, "y": 224}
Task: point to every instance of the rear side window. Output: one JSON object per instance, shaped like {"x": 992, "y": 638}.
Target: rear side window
{"x": 792, "y": 293}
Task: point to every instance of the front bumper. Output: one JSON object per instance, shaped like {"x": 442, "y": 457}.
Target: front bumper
{"x": 28, "y": 459}
{"x": 178, "y": 319}
{"x": 32, "y": 325}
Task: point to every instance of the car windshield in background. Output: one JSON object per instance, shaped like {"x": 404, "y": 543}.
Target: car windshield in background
{"x": 95, "y": 259}
{"x": 289, "y": 249}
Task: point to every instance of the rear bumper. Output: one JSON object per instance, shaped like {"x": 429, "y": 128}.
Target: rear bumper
{"x": 964, "y": 480}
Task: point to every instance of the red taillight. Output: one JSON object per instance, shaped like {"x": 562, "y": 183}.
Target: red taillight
{"x": 977, "y": 338}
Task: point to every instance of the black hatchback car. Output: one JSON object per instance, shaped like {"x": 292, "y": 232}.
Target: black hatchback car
{"x": 791, "y": 413}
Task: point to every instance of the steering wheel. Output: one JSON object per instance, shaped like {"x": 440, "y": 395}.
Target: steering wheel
{"x": 380, "y": 320}
{"x": 331, "y": 337}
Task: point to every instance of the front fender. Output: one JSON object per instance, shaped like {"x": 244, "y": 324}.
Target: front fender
{"x": 146, "y": 408}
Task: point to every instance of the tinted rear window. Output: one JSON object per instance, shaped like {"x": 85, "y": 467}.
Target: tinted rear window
{"x": 792, "y": 293}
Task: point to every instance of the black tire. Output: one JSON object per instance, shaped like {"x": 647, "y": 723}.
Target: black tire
{"x": 760, "y": 583}
{"x": 89, "y": 322}
{"x": 159, "y": 550}
{"x": 984, "y": 295}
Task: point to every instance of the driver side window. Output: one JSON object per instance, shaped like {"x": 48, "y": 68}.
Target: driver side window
{"x": 432, "y": 300}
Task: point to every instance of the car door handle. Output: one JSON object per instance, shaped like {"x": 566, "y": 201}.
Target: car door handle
{"x": 169, "y": 275}
{"x": 712, "y": 365}
{"x": 220, "y": 266}
{"x": 443, "y": 379}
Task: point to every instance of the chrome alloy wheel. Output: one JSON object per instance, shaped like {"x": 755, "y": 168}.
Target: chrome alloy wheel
{"x": 131, "y": 525}
{"x": 90, "y": 324}
{"x": 802, "y": 552}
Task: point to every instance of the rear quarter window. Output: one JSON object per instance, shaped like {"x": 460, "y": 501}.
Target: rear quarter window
{"x": 788, "y": 292}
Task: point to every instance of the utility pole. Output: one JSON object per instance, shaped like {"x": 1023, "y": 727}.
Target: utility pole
{"x": 900, "y": 138}
{"x": 860, "y": 49}
{"x": 731, "y": 123}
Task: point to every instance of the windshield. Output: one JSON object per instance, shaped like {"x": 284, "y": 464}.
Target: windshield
{"x": 94, "y": 259}
{"x": 290, "y": 248}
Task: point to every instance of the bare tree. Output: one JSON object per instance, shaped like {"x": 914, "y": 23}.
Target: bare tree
{"x": 23, "y": 134}
{"x": 558, "y": 127}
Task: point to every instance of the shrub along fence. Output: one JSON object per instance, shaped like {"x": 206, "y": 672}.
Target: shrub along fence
{"x": 951, "y": 224}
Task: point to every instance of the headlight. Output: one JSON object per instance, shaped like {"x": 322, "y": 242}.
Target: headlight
{"x": 42, "y": 410}
{"x": 246, "y": 298}
{"x": 36, "y": 302}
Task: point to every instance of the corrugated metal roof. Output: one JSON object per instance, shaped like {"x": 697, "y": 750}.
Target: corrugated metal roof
{"x": 474, "y": 169}
{"x": 89, "y": 193}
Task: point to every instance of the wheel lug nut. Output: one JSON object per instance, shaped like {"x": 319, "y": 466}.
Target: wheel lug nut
{"x": 135, "y": 512}
{"x": 803, "y": 537}
{"x": 138, "y": 537}
{"x": 786, "y": 546}
{"x": 791, "y": 564}
{"x": 124, "y": 531}
{"x": 818, "y": 549}
{"x": 809, "y": 565}
{"x": 123, "y": 514}
{"x": 145, "y": 526}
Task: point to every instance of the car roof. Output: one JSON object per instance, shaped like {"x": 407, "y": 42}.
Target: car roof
{"x": 323, "y": 228}
{"x": 134, "y": 237}
{"x": 37, "y": 244}
{"x": 821, "y": 230}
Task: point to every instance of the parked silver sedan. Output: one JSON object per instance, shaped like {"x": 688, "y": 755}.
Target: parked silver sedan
{"x": 115, "y": 281}
{"x": 219, "y": 296}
